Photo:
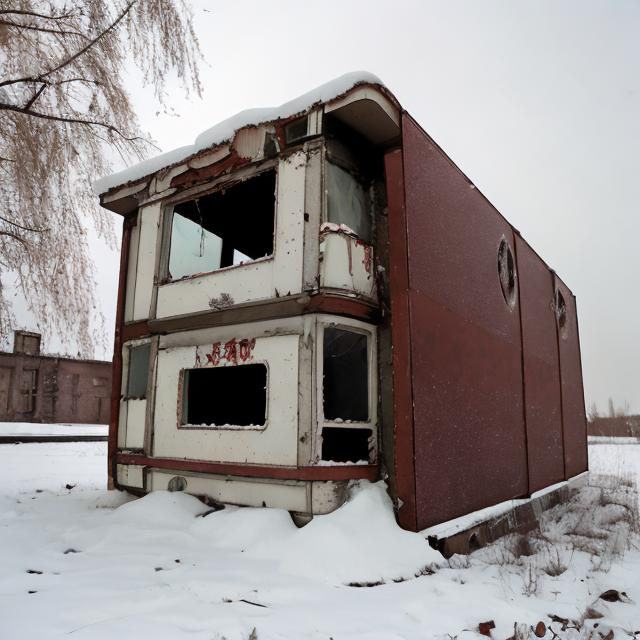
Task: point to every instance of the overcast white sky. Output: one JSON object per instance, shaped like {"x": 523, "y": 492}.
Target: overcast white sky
{"x": 537, "y": 101}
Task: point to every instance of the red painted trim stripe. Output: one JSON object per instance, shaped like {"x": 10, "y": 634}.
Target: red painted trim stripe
{"x": 342, "y": 472}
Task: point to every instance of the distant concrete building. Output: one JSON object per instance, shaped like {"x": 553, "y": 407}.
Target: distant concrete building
{"x": 40, "y": 388}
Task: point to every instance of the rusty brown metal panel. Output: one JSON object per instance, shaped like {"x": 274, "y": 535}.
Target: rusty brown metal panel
{"x": 401, "y": 359}
{"x": 573, "y": 410}
{"x": 543, "y": 402}
{"x": 466, "y": 358}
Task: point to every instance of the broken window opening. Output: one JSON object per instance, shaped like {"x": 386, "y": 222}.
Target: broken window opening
{"x": 348, "y": 202}
{"x": 223, "y": 229}
{"x": 295, "y": 130}
{"x": 233, "y": 396}
{"x": 345, "y": 375}
{"x": 345, "y": 444}
{"x": 138, "y": 372}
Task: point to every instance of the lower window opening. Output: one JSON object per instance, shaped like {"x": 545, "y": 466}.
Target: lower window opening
{"x": 225, "y": 396}
{"x": 345, "y": 444}
{"x": 345, "y": 375}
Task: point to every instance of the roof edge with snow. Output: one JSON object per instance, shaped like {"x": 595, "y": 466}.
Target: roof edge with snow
{"x": 224, "y": 131}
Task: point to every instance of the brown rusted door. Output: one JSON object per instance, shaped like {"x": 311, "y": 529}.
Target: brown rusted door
{"x": 573, "y": 411}
{"x": 542, "y": 397}
{"x": 466, "y": 359}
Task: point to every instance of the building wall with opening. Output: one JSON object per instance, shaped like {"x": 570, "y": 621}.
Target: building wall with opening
{"x": 327, "y": 297}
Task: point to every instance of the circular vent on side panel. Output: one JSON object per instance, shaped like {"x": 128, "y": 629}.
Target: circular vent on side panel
{"x": 177, "y": 483}
{"x": 561, "y": 313}
{"x": 507, "y": 273}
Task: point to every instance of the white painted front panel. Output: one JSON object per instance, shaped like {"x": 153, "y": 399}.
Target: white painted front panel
{"x": 275, "y": 443}
{"x": 132, "y": 416}
{"x": 346, "y": 264}
{"x": 288, "y": 495}
{"x": 136, "y": 410}
{"x": 149, "y": 219}
{"x": 262, "y": 279}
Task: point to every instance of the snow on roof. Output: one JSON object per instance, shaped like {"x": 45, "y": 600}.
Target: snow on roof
{"x": 224, "y": 131}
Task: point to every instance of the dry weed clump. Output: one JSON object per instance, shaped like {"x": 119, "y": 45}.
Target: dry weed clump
{"x": 600, "y": 520}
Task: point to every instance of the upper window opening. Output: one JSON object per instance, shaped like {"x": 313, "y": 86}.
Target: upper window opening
{"x": 346, "y": 375}
{"x": 295, "y": 130}
{"x": 507, "y": 273}
{"x": 27, "y": 343}
{"x": 138, "y": 371}
{"x": 229, "y": 227}
{"x": 348, "y": 202}
{"x": 233, "y": 396}
{"x": 561, "y": 310}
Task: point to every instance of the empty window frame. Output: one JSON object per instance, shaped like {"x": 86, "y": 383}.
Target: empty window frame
{"x": 345, "y": 444}
{"x": 348, "y": 202}
{"x": 138, "y": 374}
{"x": 229, "y": 227}
{"x": 233, "y": 396}
{"x": 345, "y": 384}
{"x": 26, "y": 342}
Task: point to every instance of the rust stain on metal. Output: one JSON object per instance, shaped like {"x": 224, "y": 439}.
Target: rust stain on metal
{"x": 195, "y": 176}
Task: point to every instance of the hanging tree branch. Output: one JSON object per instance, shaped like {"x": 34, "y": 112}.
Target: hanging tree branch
{"x": 64, "y": 115}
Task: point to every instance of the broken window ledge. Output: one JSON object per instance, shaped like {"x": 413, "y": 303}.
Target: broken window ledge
{"x": 334, "y": 463}
{"x": 194, "y": 276}
{"x": 224, "y": 427}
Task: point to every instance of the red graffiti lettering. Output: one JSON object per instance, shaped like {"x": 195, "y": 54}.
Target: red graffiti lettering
{"x": 214, "y": 357}
{"x": 246, "y": 347}
{"x": 230, "y": 354}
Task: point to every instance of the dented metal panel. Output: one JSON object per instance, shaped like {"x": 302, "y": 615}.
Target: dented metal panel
{"x": 346, "y": 264}
{"x": 541, "y": 371}
{"x": 573, "y": 410}
{"x": 465, "y": 342}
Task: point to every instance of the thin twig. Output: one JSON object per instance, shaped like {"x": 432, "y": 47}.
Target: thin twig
{"x": 76, "y": 55}
{"x": 47, "y": 116}
{"x": 15, "y": 224}
{"x": 33, "y": 27}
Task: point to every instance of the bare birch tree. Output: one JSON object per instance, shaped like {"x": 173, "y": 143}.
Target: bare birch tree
{"x": 64, "y": 113}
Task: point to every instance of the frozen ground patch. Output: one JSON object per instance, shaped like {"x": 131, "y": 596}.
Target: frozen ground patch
{"x": 91, "y": 564}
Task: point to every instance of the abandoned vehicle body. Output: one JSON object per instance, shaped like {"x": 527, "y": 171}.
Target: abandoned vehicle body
{"x": 315, "y": 293}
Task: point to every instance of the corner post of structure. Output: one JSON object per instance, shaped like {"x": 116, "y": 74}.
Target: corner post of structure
{"x": 403, "y": 454}
{"x": 127, "y": 225}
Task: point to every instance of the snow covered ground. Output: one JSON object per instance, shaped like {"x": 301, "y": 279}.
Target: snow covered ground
{"x": 37, "y": 429}
{"x": 76, "y": 560}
